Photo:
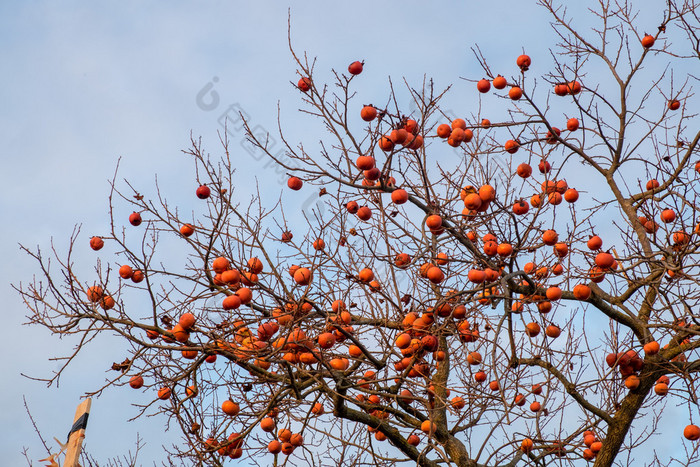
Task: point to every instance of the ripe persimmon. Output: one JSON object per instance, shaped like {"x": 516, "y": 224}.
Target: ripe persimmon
{"x": 553, "y": 293}
{"x": 368, "y": 113}
{"x": 96, "y": 243}
{"x": 433, "y": 222}
{"x": 544, "y": 307}
{"x": 274, "y": 447}
{"x": 499, "y": 82}
{"x": 303, "y": 276}
{"x": 532, "y": 329}
{"x": 680, "y": 238}
{"x": 340, "y": 363}
{"x": 220, "y": 264}
{"x": 571, "y": 195}
{"x": 427, "y": 427}
{"x": 398, "y": 135}
{"x": 487, "y": 193}
{"x": 366, "y": 275}
{"x": 459, "y": 123}
{"x": 186, "y": 230}
{"x": 468, "y": 135}
{"x": 304, "y": 84}
{"x": 520, "y": 207}
{"x": 555, "y": 198}
{"x": 561, "y": 89}
{"x": 435, "y": 275}
{"x": 474, "y": 358}
{"x": 385, "y": 144}
{"x": 632, "y": 382}
{"x": 472, "y": 201}
{"x": 582, "y": 292}
{"x": 561, "y": 249}
{"x": 458, "y": 403}
{"x": 284, "y": 435}
{"x": 483, "y": 85}
{"x": 661, "y": 389}
{"x": 490, "y": 248}
{"x": 203, "y": 192}
{"x": 354, "y": 351}
{"x": 189, "y": 354}
{"x": 107, "y": 302}
{"x": 515, "y": 93}
{"x": 594, "y": 243}
{"x": 692, "y": 432}
{"x": 399, "y": 196}
{"x": 231, "y": 302}
{"x": 604, "y": 260}
{"x": 550, "y": 137}
{"x": 294, "y": 183}
{"x": 511, "y": 146}
{"x": 523, "y": 61}
{"x": 505, "y": 249}
{"x": 457, "y": 134}
{"x": 574, "y": 87}
{"x": 180, "y": 334}
{"x": 95, "y": 293}
{"x": 476, "y": 276}
{"x": 364, "y": 213}
{"x": 365, "y": 162}
{"x": 403, "y": 340}
{"x": 287, "y": 449}
{"x": 524, "y": 170}
{"x": 441, "y": 259}
{"x": 652, "y": 348}
{"x": 444, "y": 130}
{"x": 135, "y": 219}
{"x": 668, "y": 215}
{"x": 186, "y": 320}
{"x": 550, "y": 237}
{"x": 136, "y": 381}
{"x": 355, "y": 68}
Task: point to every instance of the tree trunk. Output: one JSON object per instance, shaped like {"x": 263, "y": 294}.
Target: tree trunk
{"x": 623, "y": 421}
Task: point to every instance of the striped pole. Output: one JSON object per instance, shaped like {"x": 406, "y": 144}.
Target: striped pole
{"x": 77, "y": 433}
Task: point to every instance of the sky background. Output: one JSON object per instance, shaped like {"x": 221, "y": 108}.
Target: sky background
{"x": 85, "y": 84}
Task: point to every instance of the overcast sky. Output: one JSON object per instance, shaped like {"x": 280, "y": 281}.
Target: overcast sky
{"x": 84, "y": 84}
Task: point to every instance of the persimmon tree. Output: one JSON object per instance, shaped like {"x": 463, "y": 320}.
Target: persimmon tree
{"x": 479, "y": 290}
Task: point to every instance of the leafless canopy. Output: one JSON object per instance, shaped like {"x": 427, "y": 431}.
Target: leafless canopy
{"x": 496, "y": 307}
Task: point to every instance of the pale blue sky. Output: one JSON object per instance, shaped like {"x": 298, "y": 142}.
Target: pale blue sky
{"x": 84, "y": 84}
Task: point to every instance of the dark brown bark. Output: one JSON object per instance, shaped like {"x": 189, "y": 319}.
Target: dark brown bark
{"x": 618, "y": 429}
